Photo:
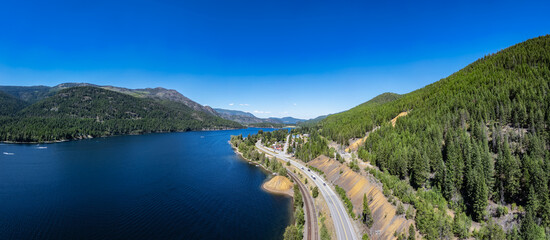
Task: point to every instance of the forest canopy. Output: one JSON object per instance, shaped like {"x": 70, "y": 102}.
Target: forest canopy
{"x": 83, "y": 112}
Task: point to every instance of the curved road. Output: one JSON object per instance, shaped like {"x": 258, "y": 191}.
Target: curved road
{"x": 341, "y": 219}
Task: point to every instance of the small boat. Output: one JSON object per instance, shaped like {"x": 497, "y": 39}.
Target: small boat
{"x": 202, "y": 136}
{"x": 8, "y": 153}
{"x": 42, "y": 147}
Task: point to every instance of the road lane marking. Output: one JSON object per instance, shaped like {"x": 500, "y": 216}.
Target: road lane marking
{"x": 336, "y": 207}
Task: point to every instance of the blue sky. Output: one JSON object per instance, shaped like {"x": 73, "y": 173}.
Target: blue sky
{"x": 271, "y": 58}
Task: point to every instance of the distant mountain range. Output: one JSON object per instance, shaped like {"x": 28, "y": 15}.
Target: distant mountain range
{"x": 33, "y": 94}
{"x": 80, "y": 110}
{"x": 247, "y": 118}
{"x": 238, "y": 116}
{"x": 287, "y": 120}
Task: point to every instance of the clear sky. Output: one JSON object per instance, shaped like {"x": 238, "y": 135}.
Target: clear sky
{"x": 271, "y": 58}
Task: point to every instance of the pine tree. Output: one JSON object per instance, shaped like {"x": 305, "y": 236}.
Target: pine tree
{"x": 480, "y": 200}
{"x": 477, "y": 192}
{"x": 454, "y": 162}
{"x": 412, "y": 233}
{"x": 440, "y": 175}
{"x": 420, "y": 169}
{"x": 367, "y": 215}
{"x": 533, "y": 203}
{"x": 545, "y": 213}
{"x": 488, "y": 165}
{"x": 508, "y": 173}
{"x": 529, "y": 228}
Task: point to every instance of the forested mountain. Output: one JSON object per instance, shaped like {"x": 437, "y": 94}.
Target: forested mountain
{"x": 33, "y": 94}
{"x": 285, "y": 120}
{"x": 28, "y": 94}
{"x": 238, "y": 116}
{"x": 87, "y": 111}
{"x": 479, "y": 136}
{"x": 249, "y": 118}
{"x": 382, "y": 98}
{"x": 9, "y": 105}
{"x": 313, "y": 121}
{"x": 357, "y": 121}
{"x": 345, "y": 118}
{"x": 164, "y": 94}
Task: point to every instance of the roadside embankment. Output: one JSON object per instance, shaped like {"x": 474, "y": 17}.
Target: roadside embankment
{"x": 386, "y": 222}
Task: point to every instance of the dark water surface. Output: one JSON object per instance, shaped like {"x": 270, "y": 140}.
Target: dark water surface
{"x": 157, "y": 186}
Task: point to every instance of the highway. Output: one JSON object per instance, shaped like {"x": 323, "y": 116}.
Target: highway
{"x": 342, "y": 222}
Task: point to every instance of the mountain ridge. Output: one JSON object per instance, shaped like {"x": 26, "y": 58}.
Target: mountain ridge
{"x": 85, "y": 111}
{"x": 34, "y": 94}
{"x": 249, "y": 118}
{"x": 476, "y": 141}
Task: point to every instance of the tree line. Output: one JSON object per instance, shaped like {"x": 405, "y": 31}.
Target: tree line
{"x": 477, "y": 137}
{"x": 82, "y": 112}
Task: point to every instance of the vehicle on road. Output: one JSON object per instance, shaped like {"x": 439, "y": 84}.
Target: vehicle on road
{"x": 343, "y": 226}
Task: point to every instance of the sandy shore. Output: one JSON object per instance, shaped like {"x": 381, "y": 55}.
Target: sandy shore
{"x": 289, "y": 192}
{"x": 279, "y": 185}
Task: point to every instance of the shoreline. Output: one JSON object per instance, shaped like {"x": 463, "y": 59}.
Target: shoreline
{"x": 289, "y": 193}
{"x": 118, "y": 135}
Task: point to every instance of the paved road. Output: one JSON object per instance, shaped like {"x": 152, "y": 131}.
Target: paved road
{"x": 341, "y": 219}
{"x": 311, "y": 229}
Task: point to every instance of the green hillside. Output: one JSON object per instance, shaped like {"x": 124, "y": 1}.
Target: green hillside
{"x": 358, "y": 120}
{"x": 28, "y": 94}
{"x": 478, "y": 136}
{"x": 81, "y": 112}
{"x": 382, "y": 98}
{"x": 10, "y": 105}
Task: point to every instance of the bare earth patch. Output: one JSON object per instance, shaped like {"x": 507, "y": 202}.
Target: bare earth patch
{"x": 278, "y": 184}
{"x": 386, "y": 222}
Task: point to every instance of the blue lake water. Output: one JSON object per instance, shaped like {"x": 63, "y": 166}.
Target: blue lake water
{"x": 157, "y": 186}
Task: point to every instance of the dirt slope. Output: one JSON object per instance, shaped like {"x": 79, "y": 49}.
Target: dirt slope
{"x": 278, "y": 184}
{"x": 385, "y": 220}
{"x": 394, "y": 120}
{"x": 359, "y": 142}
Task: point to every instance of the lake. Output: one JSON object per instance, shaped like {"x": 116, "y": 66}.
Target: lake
{"x": 157, "y": 186}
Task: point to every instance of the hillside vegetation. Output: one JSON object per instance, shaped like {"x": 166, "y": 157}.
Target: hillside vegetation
{"x": 357, "y": 121}
{"x": 250, "y": 120}
{"x": 477, "y": 137}
{"x": 33, "y": 94}
{"x": 28, "y": 94}
{"x": 82, "y": 112}
{"x": 9, "y": 104}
